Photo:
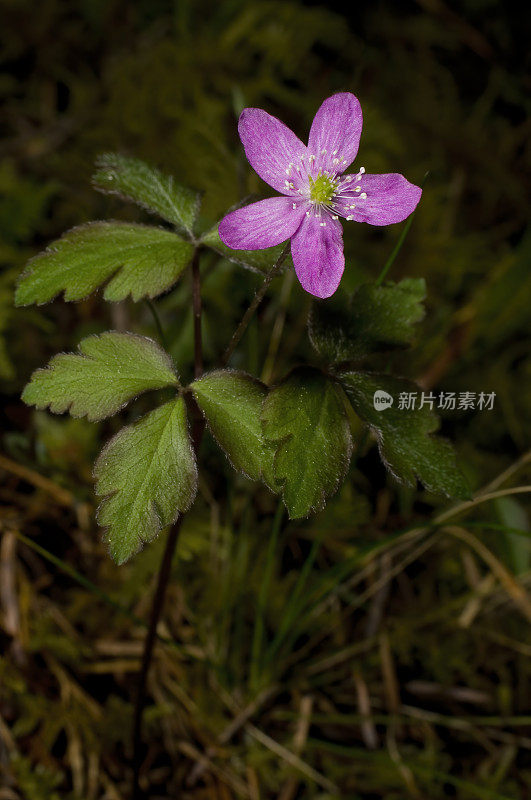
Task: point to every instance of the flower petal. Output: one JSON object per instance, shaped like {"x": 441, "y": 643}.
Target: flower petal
{"x": 263, "y": 224}
{"x": 390, "y": 198}
{"x": 317, "y": 251}
{"x": 271, "y": 147}
{"x": 336, "y": 130}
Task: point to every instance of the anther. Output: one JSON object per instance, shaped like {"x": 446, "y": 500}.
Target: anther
{"x": 363, "y": 196}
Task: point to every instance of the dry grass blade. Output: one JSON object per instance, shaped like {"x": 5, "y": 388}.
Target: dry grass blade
{"x": 60, "y": 495}
{"x": 513, "y": 587}
{"x": 290, "y": 758}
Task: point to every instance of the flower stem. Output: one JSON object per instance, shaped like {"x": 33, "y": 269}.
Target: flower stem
{"x": 278, "y": 327}
{"x": 171, "y": 543}
{"x": 196, "y": 300}
{"x": 398, "y": 246}
{"x": 257, "y": 299}
{"x": 151, "y": 305}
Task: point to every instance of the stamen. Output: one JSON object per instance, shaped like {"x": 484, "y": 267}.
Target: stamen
{"x": 322, "y": 224}
{"x": 363, "y": 196}
{"x": 352, "y": 206}
{"x": 294, "y": 205}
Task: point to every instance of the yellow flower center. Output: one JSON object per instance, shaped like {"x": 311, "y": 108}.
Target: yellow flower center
{"x": 322, "y": 189}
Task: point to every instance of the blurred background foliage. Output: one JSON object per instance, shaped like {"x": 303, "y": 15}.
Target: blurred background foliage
{"x": 338, "y": 657}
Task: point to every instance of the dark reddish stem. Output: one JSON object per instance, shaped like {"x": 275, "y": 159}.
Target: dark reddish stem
{"x": 196, "y": 300}
{"x": 156, "y": 610}
{"x": 169, "y": 550}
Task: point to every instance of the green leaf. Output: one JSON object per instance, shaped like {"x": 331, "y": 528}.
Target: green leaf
{"x": 376, "y": 318}
{"x": 139, "y": 260}
{"x": 255, "y": 260}
{"x": 132, "y": 179}
{"x": 305, "y": 418}
{"x": 148, "y": 475}
{"x": 404, "y": 436}
{"x": 109, "y": 370}
{"x": 231, "y": 403}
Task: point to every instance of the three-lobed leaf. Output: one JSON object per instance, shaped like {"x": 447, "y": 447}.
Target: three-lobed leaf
{"x": 255, "y": 260}
{"x": 133, "y": 179}
{"x": 136, "y": 260}
{"x": 109, "y": 370}
{"x": 405, "y": 436}
{"x": 231, "y": 402}
{"x": 304, "y": 417}
{"x": 376, "y": 318}
{"x": 148, "y": 475}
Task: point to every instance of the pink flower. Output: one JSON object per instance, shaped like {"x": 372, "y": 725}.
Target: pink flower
{"x": 315, "y": 191}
